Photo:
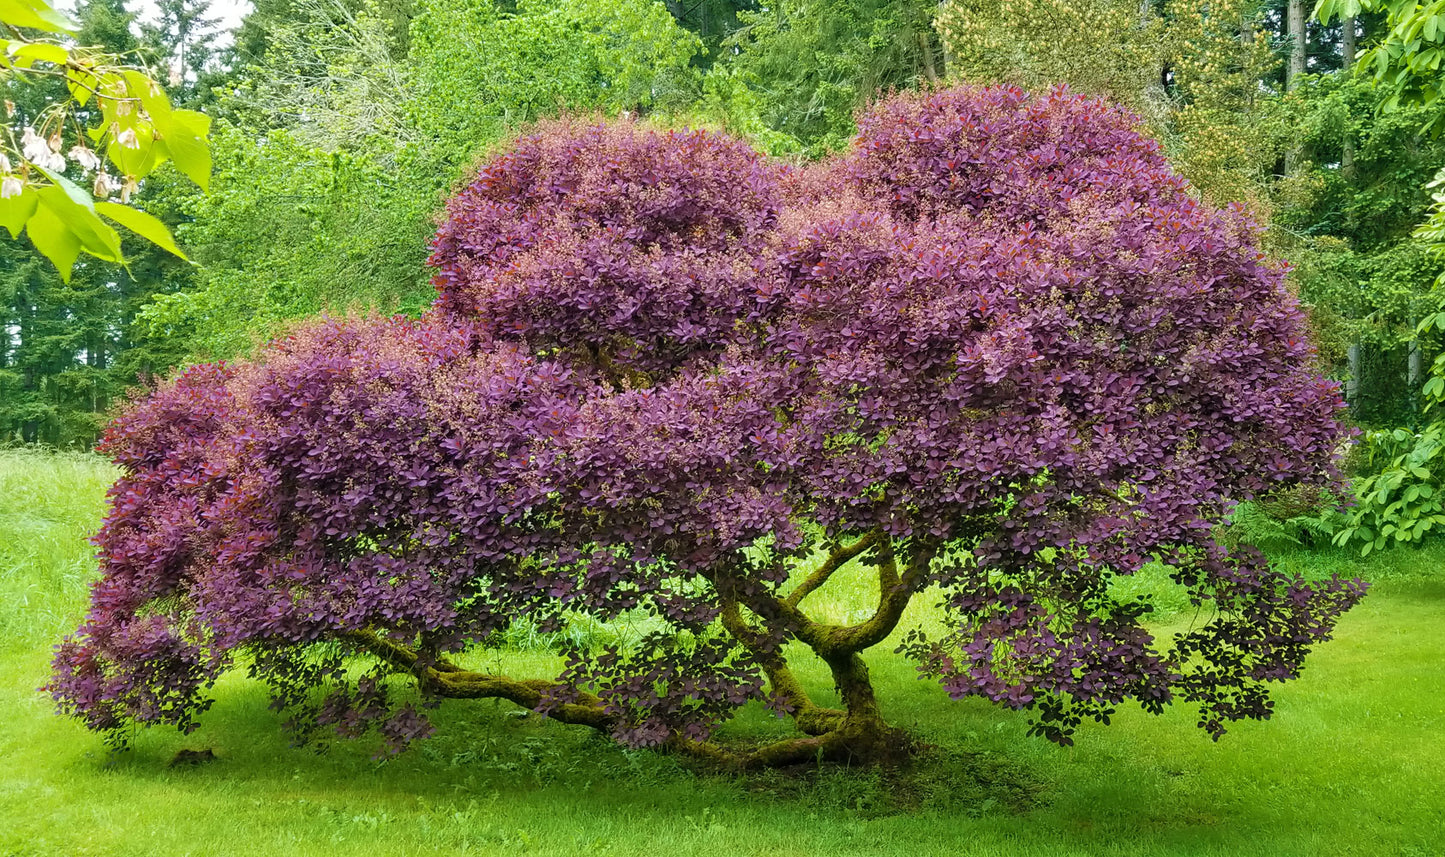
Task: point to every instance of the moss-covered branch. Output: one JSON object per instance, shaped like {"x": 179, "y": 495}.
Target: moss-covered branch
{"x": 839, "y": 557}
{"x": 450, "y": 681}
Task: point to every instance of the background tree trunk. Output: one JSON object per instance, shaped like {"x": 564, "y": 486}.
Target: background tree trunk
{"x": 1295, "y": 27}
{"x": 945, "y": 55}
{"x": 925, "y": 47}
{"x": 1296, "y": 24}
{"x": 1352, "y": 381}
{"x": 1347, "y": 51}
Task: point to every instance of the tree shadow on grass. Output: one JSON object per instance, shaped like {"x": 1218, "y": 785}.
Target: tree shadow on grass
{"x": 484, "y": 748}
{"x": 952, "y": 781}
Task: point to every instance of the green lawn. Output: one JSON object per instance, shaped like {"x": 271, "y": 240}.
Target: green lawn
{"x": 1352, "y": 763}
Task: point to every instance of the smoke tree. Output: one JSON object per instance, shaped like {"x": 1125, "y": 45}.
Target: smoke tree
{"x": 996, "y": 353}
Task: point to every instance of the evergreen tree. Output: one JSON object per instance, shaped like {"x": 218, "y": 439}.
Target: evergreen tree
{"x": 107, "y": 23}
{"x": 184, "y": 36}
{"x": 713, "y": 21}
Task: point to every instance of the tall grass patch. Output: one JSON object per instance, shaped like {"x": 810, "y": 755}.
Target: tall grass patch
{"x": 50, "y": 505}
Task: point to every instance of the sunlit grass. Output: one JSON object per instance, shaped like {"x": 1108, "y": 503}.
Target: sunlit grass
{"x": 50, "y": 504}
{"x": 1353, "y": 762}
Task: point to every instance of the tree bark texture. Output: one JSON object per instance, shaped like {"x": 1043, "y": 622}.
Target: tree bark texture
{"x": 1347, "y": 50}
{"x": 1296, "y": 27}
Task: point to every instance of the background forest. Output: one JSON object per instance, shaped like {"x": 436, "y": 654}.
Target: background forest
{"x": 341, "y": 125}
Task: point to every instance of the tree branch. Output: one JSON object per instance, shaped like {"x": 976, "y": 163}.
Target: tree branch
{"x": 396, "y": 654}
{"x": 810, "y": 718}
{"x": 837, "y": 559}
{"x": 63, "y": 76}
{"x": 895, "y": 591}
{"x": 791, "y": 751}
{"x": 834, "y": 641}
{"x": 450, "y": 681}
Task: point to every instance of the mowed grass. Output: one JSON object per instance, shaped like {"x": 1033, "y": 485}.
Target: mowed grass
{"x": 1353, "y": 762}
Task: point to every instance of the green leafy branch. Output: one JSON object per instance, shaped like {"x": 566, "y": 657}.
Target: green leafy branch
{"x": 1406, "y": 60}
{"x": 137, "y": 132}
{"x": 1403, "y": 501}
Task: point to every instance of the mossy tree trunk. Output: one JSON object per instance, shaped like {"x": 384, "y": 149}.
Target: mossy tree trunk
{"x": 856, "y": 732}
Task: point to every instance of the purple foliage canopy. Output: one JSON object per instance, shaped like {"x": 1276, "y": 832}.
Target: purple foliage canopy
{"x": 997, "y": 348}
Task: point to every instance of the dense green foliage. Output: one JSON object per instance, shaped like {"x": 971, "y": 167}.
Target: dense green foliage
{"x": 337, "y": 149}
{"x": 1398, "y": 495}
{"x": 83, "y": 126}
{"x": 814, "y": 63}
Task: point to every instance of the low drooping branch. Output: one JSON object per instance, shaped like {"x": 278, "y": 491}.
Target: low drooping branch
{"x": 833, "y": 746}
{"x": 450, "y": 681}
{"x": 832, "y": 734}
{"x": 397, "y": 655}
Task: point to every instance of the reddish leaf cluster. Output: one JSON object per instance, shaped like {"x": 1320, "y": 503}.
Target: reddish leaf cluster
{"x": 996, "y": 348}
